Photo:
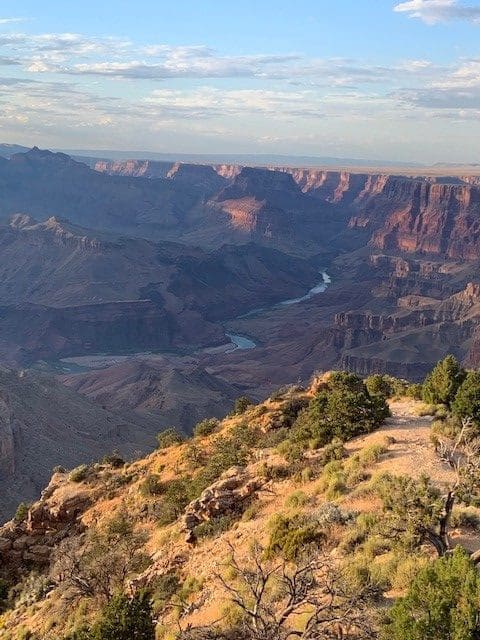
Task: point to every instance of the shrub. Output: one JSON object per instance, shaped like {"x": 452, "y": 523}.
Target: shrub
{"x": 292, "y": 408}
{"x": 334, "y": 450}
{"x": 441, "y": 602}
{"x": 114, "y": 459}
{"x": 126, "y": 618}
{"x": 467, "y": 399}
{"x": 406, "y": 569}
{"x": 272, "y": 438}
{"x": 415, "y": 391}
{"x": 297, "y": 499}
{"x": 194, "y": 455}
{"x": 21, "y": 513}
{"x": 378, "y": 384}
{"x": 330, "y": 513}
{"x": 363, "y": 574}
{"x": 59, "y": 469}
{"x": 333, "y": 480}
{"x": 274, "y": 472}
{"x": 177, "y": 493}
{"x": 169, "y": 438}
{"x": 225, "y": 453}
{"x": 241, "y": 405}
{"x": 205, "y": 427}
{"x": 251, "y": 511}
{"x": 291, "y": 451}
{"x": 164, "y": 587}
{"x": 151, "y": 486}
{"x": 31, "y": 589}
{"x": 214, "y": 527}
{"x": 79, "y": 474}
{"x": 342, "y": 408}
{"x": 359, "y": 531}
{"x": 442, "y": 384}
{"x": 292, "y": 536}
{"x": 468, "y": 518}
{"x": 371, "y": 454}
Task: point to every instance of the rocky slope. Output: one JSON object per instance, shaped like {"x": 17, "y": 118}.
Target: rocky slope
{"x": 44, "y": 424}
{"x": 66, "y": 290}
{"x": 173, "y": 391}
{"x": 383, "y": 237}
{"x": 183, "y": 559}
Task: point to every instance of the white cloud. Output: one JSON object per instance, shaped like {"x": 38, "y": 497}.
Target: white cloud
{"x": 435, "y": 11}
{"x": 12, "y": 20}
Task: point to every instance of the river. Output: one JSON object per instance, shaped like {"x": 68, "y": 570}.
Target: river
{"x": 240, "y": 343}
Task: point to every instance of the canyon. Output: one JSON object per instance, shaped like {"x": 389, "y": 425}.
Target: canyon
{"x": 153, "y": 290}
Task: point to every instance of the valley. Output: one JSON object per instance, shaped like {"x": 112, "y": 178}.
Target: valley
{"x": 162, "y": 291}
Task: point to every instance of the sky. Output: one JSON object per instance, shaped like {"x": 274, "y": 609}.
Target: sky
{"x": 370, "y": 79}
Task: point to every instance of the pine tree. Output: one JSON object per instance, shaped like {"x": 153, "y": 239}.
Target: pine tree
{"x": 467, "y": 400}
{"x": 443, "y": 382}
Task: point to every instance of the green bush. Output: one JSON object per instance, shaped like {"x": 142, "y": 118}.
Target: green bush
{"x": 415, "y": 391}
{"x": 293, "y": 536}
{"x": 80, "y": 473}
{"x": 272, "y": 438}
{"x": 164, "y": 588}
{"x": 205, "y": 427}
{"x": 114, "y": 459}
{"x": 359, "y": 531}
{"x": 169, "y": 438}
{"x": 441, "y": 603}
{"x": 194, "y": 455}
{"x": 466, "y": 518}
{"x": 21, "y": 513}
{"x": 467, "y": 400}
{"x": 334, "y": 450}
{"x": 274, "y": 472}
{"x": 342, "y": 408}
{"x": 291, "y": 451}
{"x": 59, "y": 469}
{"x": 226, "y": 452}
{"x": 126, "y": 618}
{"x": 176, "y": 494}
{"x": 378, "y": 384}
{"x": 152, "y": 485}
{"x": 442, "y": 384}
{"x": 241, "y": 405}
{"x": 297, "y": 499}
{"x": 214, "y": 527}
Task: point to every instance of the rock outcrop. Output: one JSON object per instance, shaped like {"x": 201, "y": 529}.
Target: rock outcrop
{"x": 31, "y": 542}
{"x": 227, "y": 495}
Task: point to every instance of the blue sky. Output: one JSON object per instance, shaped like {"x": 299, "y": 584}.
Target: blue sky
{"x": 375, "y": 79}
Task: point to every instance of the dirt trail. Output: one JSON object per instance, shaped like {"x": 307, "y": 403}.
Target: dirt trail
{"x": 412, "y": 453}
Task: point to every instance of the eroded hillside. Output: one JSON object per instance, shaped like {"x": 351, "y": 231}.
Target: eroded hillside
{"x": 263, "y": 486}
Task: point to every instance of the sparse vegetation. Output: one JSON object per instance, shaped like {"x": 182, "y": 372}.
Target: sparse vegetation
{"x": 169, "y": 438}
{"x": 205, "y": 427}
{"x": 80, "y": 473}
{"x": 315, "y": 483}
{"x": 241, "y": 405}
